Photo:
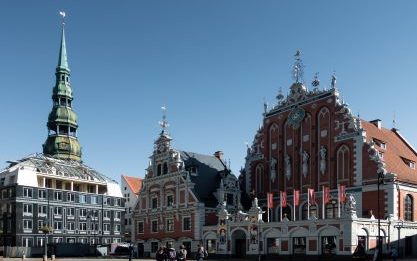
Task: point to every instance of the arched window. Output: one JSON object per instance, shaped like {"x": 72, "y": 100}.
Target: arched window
{"x": 343, "y": 162}
{"x": 159, "y": 170}
{"x": 313, "y": 211}
{"x": 286, "y": 212}
{"x": 331, "y": 210}
{"x": 259, "y": 178}
{"x": 165, "y": 168}
{"x": 408, "y": 208}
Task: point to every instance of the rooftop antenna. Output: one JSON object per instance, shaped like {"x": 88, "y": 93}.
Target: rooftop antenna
{"x": 394, "y": 121}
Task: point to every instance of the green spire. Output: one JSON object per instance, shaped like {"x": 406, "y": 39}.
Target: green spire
{"x": 62, "y": 124}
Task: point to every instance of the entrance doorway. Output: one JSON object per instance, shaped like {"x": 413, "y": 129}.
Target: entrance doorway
{"x": 140, "y": 250}
{"x": 239, "y": 243}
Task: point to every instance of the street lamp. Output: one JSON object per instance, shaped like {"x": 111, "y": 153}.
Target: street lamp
{"x": 46, "y": 230}
{"x": 380, "y": 181}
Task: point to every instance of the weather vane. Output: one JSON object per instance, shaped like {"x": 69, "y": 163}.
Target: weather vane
{"x": 164, "y": 123}
{"x": 298, "y": 67}
{"x": 62, "y": 13}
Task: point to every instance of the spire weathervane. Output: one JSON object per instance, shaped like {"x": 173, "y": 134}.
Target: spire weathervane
{"x": 63, "y": 14}
{"x": 298, "y": 67}
{"x": 164, "y": 123}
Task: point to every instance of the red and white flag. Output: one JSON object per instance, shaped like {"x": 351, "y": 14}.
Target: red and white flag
{"x": 311, "y": 196}
{"x": 296, "y": 198}
{"x": 342, "y": 193}
{"x": 270, "y": 200}
{"x": 283, "y": 198}
{"x": 326, "y": 195}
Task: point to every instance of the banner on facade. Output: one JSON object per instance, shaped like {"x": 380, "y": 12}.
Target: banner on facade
{"x": 270, "y": 197}
{"x": 326, "y": 195}
{"x": 342, "y": 193}
{"x": 283, "y": 198}
{"x": 296, "y": 198}
{"x": 311, "y": 196}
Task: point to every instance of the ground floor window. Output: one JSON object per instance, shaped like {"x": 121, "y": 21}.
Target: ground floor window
{"x": 107, "y": 240}
{"x": 328, "y": 245}
{"x": 71, "y": 240}
{"x": 211, "y": 246}
{"x": 299, "y": 245}
{"x": 187, "y": 245}
{"x": 40, "y": 241}
{"x": 154, "y": 247}
{"x": 57, "y": 240}
{"x": 272, "y": 245}
{"x": 82, "y": 240}
{"x": 27, "y": 241}
{"x": 117, "y": 240}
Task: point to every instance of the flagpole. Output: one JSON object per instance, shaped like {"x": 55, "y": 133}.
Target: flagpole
{"x": 322, "y": 201}
{"x": 308, "y": 204}
{"x": 280, "y": 205}
{"x": 338, "y": 200}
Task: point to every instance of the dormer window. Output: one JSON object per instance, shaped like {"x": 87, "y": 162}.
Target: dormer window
{"x": 383, "y": 146}
{"x": 412, "y": 164}
{"x": 380, "y": 143}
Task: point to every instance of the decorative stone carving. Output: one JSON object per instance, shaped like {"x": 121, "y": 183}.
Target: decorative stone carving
{"x": 304, "y": 167}
{"x": 273, "y": 167}
{"x": 350, "y": 206}
{"x": 323, "y": 153}
{"x": 287, "y": 166}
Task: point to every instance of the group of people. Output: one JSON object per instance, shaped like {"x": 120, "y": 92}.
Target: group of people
{"x": 168, "y": 253}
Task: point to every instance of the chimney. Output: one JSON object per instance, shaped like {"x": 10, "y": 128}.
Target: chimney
{"x": 377, "y": 123}
{"x": 219, "y": 154}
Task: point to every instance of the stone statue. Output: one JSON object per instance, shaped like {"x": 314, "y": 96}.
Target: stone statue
{"x": 323, "y": 153}
{"x": 273, "y": 168}
{"x": 287, "y": 166}
{"x": 333, "y": 84}
{"x": 351, "y": 202}
{"x": 304, "y": 167}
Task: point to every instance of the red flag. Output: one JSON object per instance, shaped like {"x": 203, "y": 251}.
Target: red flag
{"x": 283, "y": 197}
{"x": 311, "y": 196}
{"x": 296, "y": 197}
{"x": 326, "y": 195}
{"x": 342, "y": 193}
{"x": 270, "y": 200}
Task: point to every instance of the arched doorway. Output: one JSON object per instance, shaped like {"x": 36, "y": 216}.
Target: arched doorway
{"x": 239, "y": 243}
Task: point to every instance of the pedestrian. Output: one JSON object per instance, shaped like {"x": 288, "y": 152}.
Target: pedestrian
{"x": 201, "y": 253}
{"x": 160, "y": 254}
{"x": 171, "y": 254}
{"x": 394, "y": 254}
{"x": 182, "y": 254}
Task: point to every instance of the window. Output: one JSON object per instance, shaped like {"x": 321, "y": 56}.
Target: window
{"x": 230, "y": 199}
{"x": 27, "y": 192}
{"x": 154, "y": 226}
{"x": 27, "y": 224}
{"x": 27, "y": 241}
{"x": 140, "y": 227}
{"x": 154, "y": 203}
{"x": 83, "y": 212}
{"x": 82, "y": 240}
{"x": 170, "y": 201}
{"x": 70, "y": 211}
{"x": 343, "y": 162}
{"x": 106, "y": 227}
{"x": 412, "y": 164}
{"x": 118, "y": 202}
{"x": 106, "y": 214}
{"x": 57, "y": 225}
{"x": 58, "y": 195}
{"x": 381, "y": 154}
{"x": 165, "y": 170}
{"x": 193, "y": 170}
{"x": 170, "y": 224}
{"x": 159, "y": 170}
{"x": 27, "y": 209}
{"x": 383, "y": 145}
{"x": 299, "y": 245}
{"x": 81, "y": 199}
{"x": 117, "y": 215}
{"x": 117, "y": 228}
{"x": 259, "y": 178}
{"x": 331, "y": 210}
{"x": 58, "y": 210}
{"x": 83, "y": 226}
{"x": 42, "y": 209}
{"x": 42, "y": 194}
{"x": 41, "y": 223}
{"x": 154, "y": 247}
{"x": 71, "y": 240}
{"x": 93, "y": 200}
{"x": 40, "y": 241}
{"x": 107, "y": 201}
{"x": 94, "y": 226}
{"x": 186, "y": 224}
{"x": 408, "y": 208}
{"x": 70, "y": 225}
{"x": 57, "y": 240}
{"x": 313, "y": 211}
{"x": 70, "y": 197}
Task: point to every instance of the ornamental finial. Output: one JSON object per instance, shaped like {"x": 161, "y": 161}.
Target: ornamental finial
{"x": 164, "y": 123}
{"x": 316, "y": 81}
{"x": 63, "y": 14}
{"x": 298, "y": 67}
{"x": 280, "y": 96}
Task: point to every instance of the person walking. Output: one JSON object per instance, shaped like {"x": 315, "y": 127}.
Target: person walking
{"x": 171, "y": 254}
{"x": 160, "y": 254}
{"x": 182, "y": 254}
{"x": 201, "y": 253}
{"x": 394, "y": 254}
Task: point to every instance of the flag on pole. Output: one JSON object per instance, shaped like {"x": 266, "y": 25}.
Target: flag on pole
{"x": 311, "y": 197}
{"x": 283, "y": 198}
{"x": 342, "y": 193}
{"x": 296, "y": 198}
{"x": 270, "y": 200}
{"x": 326, "y": 195}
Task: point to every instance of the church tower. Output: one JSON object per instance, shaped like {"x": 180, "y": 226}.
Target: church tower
{"x": 62, "y": 124}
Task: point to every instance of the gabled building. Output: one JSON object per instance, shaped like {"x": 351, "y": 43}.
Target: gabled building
{"x": 56, "y": 189}
{"x": 181, "y": 193}
{"x": 130, "y": 188}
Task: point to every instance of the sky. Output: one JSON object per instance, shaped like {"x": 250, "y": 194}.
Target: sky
{"x": 211, "y": 63}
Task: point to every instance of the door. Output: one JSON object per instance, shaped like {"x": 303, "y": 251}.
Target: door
{"x": 240, "y": 247}
{"x": 140, "y": 250}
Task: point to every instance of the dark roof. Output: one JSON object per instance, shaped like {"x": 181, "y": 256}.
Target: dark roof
{"x": 208, "y": 175}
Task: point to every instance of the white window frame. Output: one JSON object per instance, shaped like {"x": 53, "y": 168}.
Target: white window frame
{"x": 69, "y": 227}
{"x": 56, "y": 211}
{"x": 27, "y": 192}
{"x": 42, "y": 194}
{"x": 83, "y": 212}
{"x": 157, "y": 223}
{"x": 117, "y": 228}
{"x": 26, "y": 227}
{"x": 41, "y": 223}
{"x": 57, "y": 222}
{"x": 26, "y": 208}
{"x": 41, "y": 212}
{"x": 143, "y": 227}
{"x": 167, "y": 228}
{"x": 106, "y": 227}
{"x": 94, "y": 200}
{"x": 117, "y": 215}
{"x": 70, "y": 197}
{"x": 82, "y": 198}
{"x": 183, "y": 223}
{"x": 82, "y": 226}
{"x": 173, "y": 200}
{"x": 69, "y": 210}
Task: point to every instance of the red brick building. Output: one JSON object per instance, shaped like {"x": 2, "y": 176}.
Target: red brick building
{"x": 180, "y": 194}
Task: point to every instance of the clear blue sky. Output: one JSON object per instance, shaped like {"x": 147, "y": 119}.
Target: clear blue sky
{"x": 210, "y": 62}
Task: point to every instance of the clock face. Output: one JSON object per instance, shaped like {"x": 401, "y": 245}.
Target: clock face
{"x": 296, "y": 116}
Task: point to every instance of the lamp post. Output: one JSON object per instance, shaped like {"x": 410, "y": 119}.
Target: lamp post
{"x": 380, "y": 181}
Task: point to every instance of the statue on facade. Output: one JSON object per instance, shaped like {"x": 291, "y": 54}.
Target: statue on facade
{"x": 287, "y": 166}
{"x": 323, "y": 153}
{"x": 273, "y": 168}
{"x": 351, "y": 202}
{"x": 304, "y": 167}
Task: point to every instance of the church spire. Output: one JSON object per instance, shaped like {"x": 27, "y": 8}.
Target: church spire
{"x": 62, "y": 124}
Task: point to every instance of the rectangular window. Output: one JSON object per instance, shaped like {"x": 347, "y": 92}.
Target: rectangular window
{"x": 117, "y": 202}
{"x": 40, "y": 241}
{"x": 58, "y": 195}
{"x": 107, "y": 201}
{"x": 42, "y": 210}
{"x": 117, "y": 228}
{"x": 140, "y": 227}
{"x": 94, "y": 226}
{"x": 58, "y": 210}
{"x": 412, "y": 165}
{"x": 70, "y": 225}
{"x": 70, "y": 197}
{"x": 41, "y": 223}
{"x": 27, "y": 241}
{"x": 106, "y": 214}
{"x": 42, "y": 194}
{"x": 83, "y": 212}
{"x": 83, "y": 226}
{"x": 93, "y": 200}
{"x": 154, "y": 226}
{"x": 170, "y": 201}
{"x": 106, "y": 227}
{"x": 81, "y": 199}
{"x": 27, "y": 224}
{"x": 27, "y": 192}
{"x": 70, "y": 211}
{"x": 57, "y": 225}
{"x": 117, "y": 215}
{"x": 186, "y": 224}
{"x": 154, "y": 247}
{"x": 170, "y": 224}
{"x": 154, "y": 203}
{"x": 27, "y": 209}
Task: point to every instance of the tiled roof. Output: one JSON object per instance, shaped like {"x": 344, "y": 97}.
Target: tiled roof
{"x": 396, "y": 152}
{"x": 134, "y": 183}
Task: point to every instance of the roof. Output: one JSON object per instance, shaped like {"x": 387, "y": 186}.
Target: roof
{"x": 396, "y": 153}
{"x": 208, "y": 175}
{"x": 135, "y": 184}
